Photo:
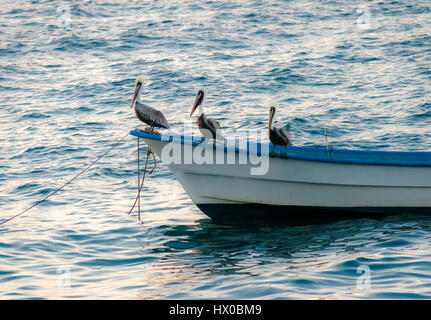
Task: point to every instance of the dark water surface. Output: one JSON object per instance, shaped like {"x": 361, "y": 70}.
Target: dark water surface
{"x": 359, "y": 69}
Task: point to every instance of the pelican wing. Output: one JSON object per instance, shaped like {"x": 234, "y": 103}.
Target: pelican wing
{"x": 286, "y": 135}
{"x": 150, "y": 115}
{"x": 215, "y": 126}
{"x": 214, "y": 123}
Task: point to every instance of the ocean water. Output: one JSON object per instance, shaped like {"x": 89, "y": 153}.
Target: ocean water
{"x": 358, "y": 69}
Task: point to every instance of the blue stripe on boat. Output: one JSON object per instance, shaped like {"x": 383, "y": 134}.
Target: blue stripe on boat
{"x": 389, "y": 158}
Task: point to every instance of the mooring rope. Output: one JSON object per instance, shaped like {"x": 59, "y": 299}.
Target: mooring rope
{"x": 139, "y": 178}
{"x": 138, "y": 197}
{"x": 68, "y": 182}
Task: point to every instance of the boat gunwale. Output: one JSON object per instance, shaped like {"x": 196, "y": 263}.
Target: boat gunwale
{"x": 195, "y": 141}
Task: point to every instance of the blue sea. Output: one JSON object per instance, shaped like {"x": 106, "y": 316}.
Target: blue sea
{"x": 357, "y": 70}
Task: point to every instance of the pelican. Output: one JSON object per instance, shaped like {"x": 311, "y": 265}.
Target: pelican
{"x": 147, "y": 114}
{"x": 210, "y": 128}
{"x": 278, "y": 136}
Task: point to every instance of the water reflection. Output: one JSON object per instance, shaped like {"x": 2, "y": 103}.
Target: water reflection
{"x": 230, "y": 249}
{"x": 270, "y": 260}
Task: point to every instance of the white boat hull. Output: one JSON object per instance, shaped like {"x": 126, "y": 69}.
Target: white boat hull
{"x": 297, "y": 185}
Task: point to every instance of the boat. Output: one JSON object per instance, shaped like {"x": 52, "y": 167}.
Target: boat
{"x": 298, "y": 182}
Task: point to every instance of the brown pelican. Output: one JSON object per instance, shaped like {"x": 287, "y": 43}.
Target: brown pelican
{"x": 210, "y": 128}
{"x": 147, "y": 114}
{"x": 278, "y": 136}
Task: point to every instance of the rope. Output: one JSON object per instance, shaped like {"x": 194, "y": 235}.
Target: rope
{"x": 138, "y": 197}
{"x": 139, "y": 177}
{"x": 68, "y": 182}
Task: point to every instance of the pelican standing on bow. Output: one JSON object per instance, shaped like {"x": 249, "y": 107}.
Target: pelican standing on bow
{"x": 153, "y": 117}
{"x": 278, "y": 136}
{"x": 210, "y": 128}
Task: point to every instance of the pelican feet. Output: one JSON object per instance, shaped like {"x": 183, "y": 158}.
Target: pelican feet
{"x": 149, "y": 130}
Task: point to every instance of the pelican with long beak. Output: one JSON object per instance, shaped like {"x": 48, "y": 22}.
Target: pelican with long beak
{"x": 278, "y": 136}
{"x": 210, "y": 128}
{"x": 153, "y": 117}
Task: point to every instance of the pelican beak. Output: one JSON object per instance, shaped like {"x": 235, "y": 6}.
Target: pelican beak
{"x": 198, "y": 100}
{"x": 135, "y": 95}
{"x": 271, "y": 115}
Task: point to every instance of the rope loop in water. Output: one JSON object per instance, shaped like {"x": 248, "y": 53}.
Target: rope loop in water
{"x": 138, "y": 197}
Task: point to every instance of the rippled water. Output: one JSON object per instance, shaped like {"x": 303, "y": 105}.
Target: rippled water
{"x": 67, "y": 70}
